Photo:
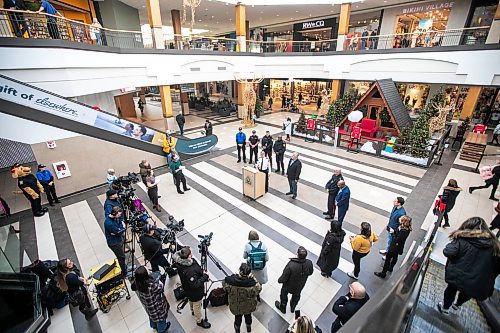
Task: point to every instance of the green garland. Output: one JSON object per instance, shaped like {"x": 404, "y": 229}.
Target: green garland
{"x": 340, "y": 108}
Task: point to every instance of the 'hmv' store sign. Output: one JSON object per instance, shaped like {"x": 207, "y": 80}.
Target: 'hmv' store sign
{"x": 313, "y": 24}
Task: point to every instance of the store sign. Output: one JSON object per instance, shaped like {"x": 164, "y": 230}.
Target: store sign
{"x": 187, "y": 88}
{"x": 311, "y": 124}
{"x": 428, "y": 7}
{"x": 313, "y": 24}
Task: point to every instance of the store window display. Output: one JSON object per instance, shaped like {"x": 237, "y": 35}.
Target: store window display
{"x": 484, "y": 105}
{"x": 359, "y": 88}
{"x": 455, "y": 95}
{"x": 414, "y": 96}
{"x": 424, "y": 29}
{"x": 483, "y": 13}
{"x": 363, "y": 33}
{"x": 307, "y": 91}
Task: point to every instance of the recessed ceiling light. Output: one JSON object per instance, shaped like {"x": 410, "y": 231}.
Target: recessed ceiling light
{"x": 143, "y": 6}
{"x": 357, "y": 6}
{"x": 213, "y": 16}
{"x": 291, "y": 18}
{"x": 261, "y": 12}
{"x": 296, "y": 11}
{"x": 230, "y": 19}
{"x": 199, "y": 20}
{"x": 206, "y": 8}
{"x": 277, "y": 14}
{"x": 217, "y": 22}
{"x": 331, "y": 11}
{"x": 310, "y": 15}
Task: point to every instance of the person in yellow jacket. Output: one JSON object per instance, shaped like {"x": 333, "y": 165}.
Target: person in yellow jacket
{"x": 361, "y": 245}
{"x": 169, "y": 145}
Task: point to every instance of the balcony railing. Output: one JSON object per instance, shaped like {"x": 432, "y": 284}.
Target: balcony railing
{"x": 27, "y": 24}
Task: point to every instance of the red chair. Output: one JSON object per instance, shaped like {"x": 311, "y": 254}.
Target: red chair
{"x": 479, "y": 128}
{"x": 368, "y": 127}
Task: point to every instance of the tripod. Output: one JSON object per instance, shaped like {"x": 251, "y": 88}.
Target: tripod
{"x": 131, "y": 258}
{"x": 204, "y": 266}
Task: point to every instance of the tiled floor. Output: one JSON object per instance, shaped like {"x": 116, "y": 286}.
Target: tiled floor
{"x": 216, "y": 204}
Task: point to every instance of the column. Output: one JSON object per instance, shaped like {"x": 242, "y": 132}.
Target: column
{"x": 334, "y": 94}
{"x": 241, "y": 105}
{"x": 154, "y": 16}
{"x": 470, "y": 102}
{"x": 184, "y": 103}
{"x": 241, "y": 30}
{"x": 345, "y": 14}
{"x": 166, "y": 106}
{"x": 494, "y": 33}
{"x": 176, "y": 23}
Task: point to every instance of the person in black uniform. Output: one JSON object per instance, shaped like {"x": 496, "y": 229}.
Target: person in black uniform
{"x": 152, "y": 248}
{"x": 253, "y": 143}
{"x": 267, "y": 147}
{"x": 30, "y": 187}
{"x": 279, "y": 149}
{"x": 333, "y": 190}
{"x": 47, "y": 180}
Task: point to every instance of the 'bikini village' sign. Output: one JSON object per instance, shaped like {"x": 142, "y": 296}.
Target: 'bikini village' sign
{"x": 429, "y": 7}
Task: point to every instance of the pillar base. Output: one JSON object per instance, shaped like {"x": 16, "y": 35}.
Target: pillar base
{"x": 171, "y": 124}
{"x": 185, "y": 108}
{"x": 340, "y": 42}
{"x": 158, "y": 38}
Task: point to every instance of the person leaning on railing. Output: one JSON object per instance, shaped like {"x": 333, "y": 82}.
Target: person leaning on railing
{"x": 47, "y": 8}
{"x": 17, "y": 19}
{"x": 95, "y": 31}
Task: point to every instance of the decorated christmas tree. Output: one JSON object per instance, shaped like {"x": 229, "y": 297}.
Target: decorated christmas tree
{"x": 301, "y": 123}
{"x": 259, "y": 108}
{"x": 340, "y": 108}
{"x": 403, "y": 141}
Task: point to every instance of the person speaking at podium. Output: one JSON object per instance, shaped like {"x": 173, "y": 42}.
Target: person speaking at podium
{"x": 263, "y": 166}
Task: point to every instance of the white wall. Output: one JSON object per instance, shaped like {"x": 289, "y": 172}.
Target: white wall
{"x": 104, "y": 100}
{"x": 30, "y": 132}
{"x": 112, "y": 71}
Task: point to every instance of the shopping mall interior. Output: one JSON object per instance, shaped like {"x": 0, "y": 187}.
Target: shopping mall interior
{"x": 345, "y": 153}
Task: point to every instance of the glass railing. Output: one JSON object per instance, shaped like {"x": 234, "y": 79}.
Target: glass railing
{"x": 33, "y": 25}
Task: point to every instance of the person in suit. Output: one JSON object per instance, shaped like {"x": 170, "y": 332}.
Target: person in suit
{"x": 263, "y": 165}
{"x": 17, "y": 19}
{"x": 342, "y": 200}
{"x": 347, "y": 306}
{"x": 332, "y": 189}
{"x": 293, "y": 173}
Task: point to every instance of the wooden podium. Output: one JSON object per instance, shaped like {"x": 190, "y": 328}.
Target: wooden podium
{"x": 254, "y": 183}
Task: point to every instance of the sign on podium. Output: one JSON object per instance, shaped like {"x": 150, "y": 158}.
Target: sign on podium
{"x": 254, "y": 182}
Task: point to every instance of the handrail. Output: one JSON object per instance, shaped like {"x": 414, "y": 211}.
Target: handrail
{"x": 84, "y": 32}
{"x": 398, "y": 297}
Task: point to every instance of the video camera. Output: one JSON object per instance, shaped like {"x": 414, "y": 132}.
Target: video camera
{"x": 129, "y": 179}
{"x": 138, "y": 221}
{"x": 204, "y": 243}
{"x": 167, "y": 235}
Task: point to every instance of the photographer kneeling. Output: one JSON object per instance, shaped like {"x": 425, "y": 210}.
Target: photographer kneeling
{"x": 193, "y": 280}
{"x": 152, "y": 248}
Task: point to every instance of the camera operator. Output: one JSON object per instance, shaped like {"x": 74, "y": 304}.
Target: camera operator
{"x": 193, "y": 279}
{"x": 152, "y": 248}
{"x": 114, "y": 229}
{"x": 111, "y": 201}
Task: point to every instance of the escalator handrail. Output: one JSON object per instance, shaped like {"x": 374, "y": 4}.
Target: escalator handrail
{"x": 391, "y": 308}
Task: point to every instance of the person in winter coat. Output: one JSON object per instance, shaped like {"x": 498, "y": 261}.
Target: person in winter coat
{"x": 449, "y": 197}
{"x": 397, "y": 211}
{"x": 489, "y": 180}
{"x": 193, "y": 280}
{"x": 329, "y": 257}
{"x": 242, "y": 291}
{"x": 176, "y": 167}
{"x": 69, "y": 280}
{"x": 332, "y": 189}
{"x": 152, "y": 297}
{"x": 495, "y": 224}
{"x": 472, "y": 266}
{"x": 397, "y": 246}
{"x": 287, "y": 127}
{"x": 361, "y": 245}
{"x": 279, "y": 148}
{"x": 144, "y": 166}
{"x": 152, "y": 186}
{"x": 253, "y": 240}
{"x": 347, "y": 306}
{"x": 267, "y": 147}
{"x": 293, "y": 280}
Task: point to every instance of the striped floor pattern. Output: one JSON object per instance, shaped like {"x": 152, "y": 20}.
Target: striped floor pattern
{"x": 216, "y": 204}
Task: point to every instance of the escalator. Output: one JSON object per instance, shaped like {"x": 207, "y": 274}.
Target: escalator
{"x": 407, "y": 302}
{"x": 28, "y": 102}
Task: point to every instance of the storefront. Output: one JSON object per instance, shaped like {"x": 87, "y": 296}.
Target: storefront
{"x": 358, "y": 87}
{"x": 363, "y": 29}
{"x": 309, "y": 90}
{"x": 485, "y": 106}
{"x": 455, "y": 96}
{"x": 277, "y": 39}
{"x": 482, "y": 15}
{"x": 316, "y": 35}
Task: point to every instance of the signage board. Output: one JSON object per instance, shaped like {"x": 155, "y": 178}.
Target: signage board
{"x": 311, "y": 124}
{"x": 313, "y": 24}
{"x": 428, "y": 7}
{"x": 196, "y": 146}
{"x": 187, "y": 88}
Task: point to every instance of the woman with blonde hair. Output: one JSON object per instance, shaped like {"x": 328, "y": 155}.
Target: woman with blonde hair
{"x": 303, "y": 324}
{"x": 397, "y": 245}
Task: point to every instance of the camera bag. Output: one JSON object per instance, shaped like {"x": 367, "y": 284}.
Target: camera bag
{"x": 218, "y": 297}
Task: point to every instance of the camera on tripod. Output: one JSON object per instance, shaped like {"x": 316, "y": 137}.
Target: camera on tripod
{"x": 128, "y": 180}
{"x": 204, "y": 243}
{"x": 138, "y": 221}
